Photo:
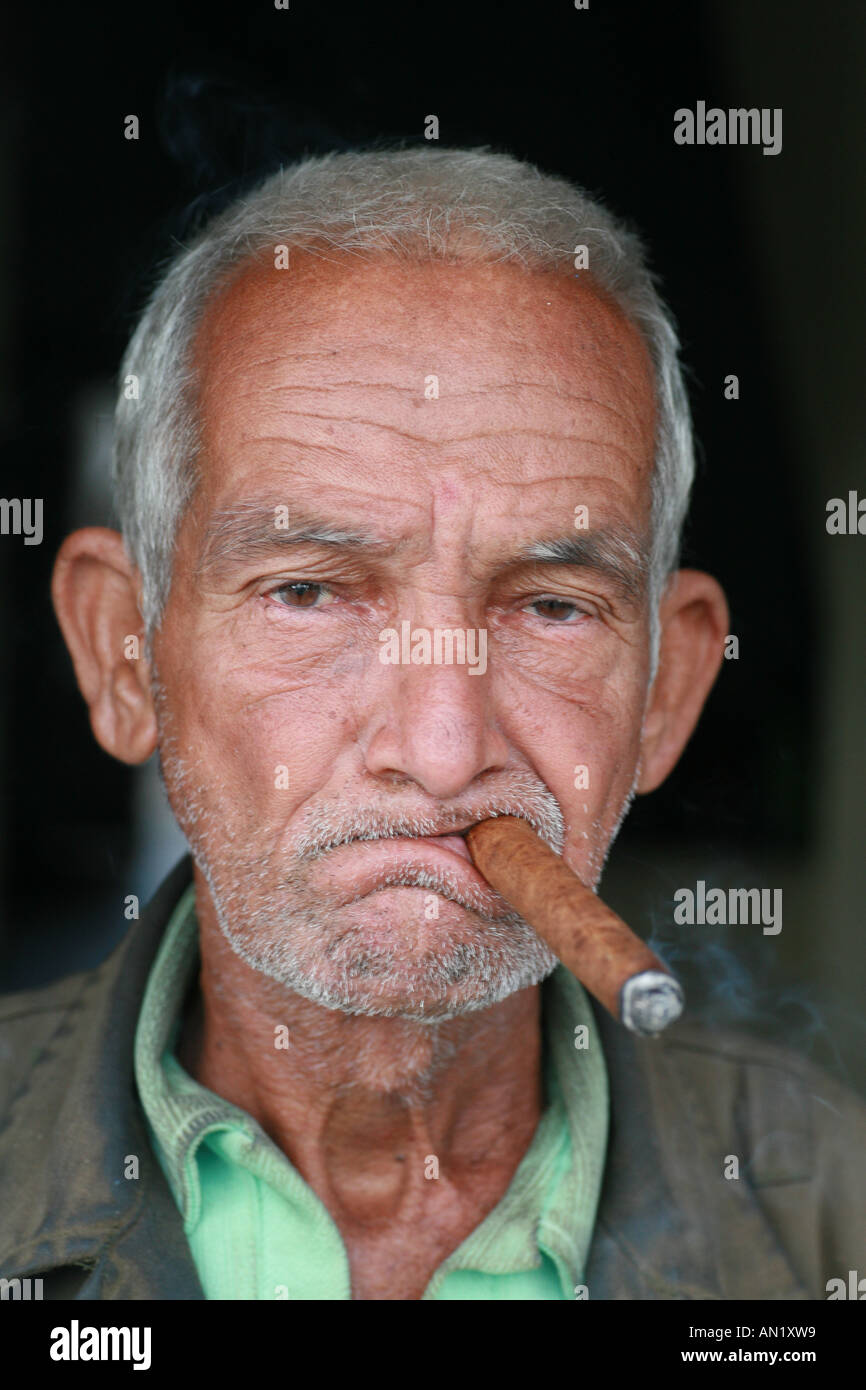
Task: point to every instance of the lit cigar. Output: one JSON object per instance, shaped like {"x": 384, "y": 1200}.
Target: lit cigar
{"x": 590, "y": 940}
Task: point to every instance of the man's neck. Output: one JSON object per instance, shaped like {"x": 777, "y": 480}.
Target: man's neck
{"x": 391, "y": 1122}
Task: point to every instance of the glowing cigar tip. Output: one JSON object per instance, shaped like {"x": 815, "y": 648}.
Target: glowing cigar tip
{"x": 650, "y": 1001}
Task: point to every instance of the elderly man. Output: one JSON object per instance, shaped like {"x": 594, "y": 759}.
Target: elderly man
{"x": 398, "y": 392}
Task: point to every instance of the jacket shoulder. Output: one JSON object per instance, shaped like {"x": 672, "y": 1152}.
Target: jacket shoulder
{"x": 29, "y": 1019}
{"x": 756, "y": 1080}
{"x": 797, "y": 1134}
{"x": 72, "y": 1013}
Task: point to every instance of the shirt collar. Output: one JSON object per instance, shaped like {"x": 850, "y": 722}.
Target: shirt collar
{"x": 550, "y": 1206}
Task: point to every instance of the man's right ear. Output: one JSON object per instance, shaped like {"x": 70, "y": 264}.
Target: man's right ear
{"x": 95, "y": 598}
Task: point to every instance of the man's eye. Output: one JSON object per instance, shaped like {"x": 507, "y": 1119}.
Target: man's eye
{"x": 300, "y": 594}
{"x": 556, "y": 609}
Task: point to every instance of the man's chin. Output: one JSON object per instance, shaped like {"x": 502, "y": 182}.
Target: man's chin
{"x": 430, "y": 988}
{"x": 383, "y": 957}
{"x": 393, "y": 1002}
{"x": 404, "y": 997}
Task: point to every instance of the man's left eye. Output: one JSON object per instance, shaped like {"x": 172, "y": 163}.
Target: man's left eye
{"x": 300, "y": 594}
{"x": 557, "y": 609}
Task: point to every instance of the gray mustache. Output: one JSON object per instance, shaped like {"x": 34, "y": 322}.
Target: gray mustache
{"x": 328, "y": 831}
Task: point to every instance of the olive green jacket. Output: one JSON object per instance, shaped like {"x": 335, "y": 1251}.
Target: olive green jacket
{"x": 670, "y": 1225}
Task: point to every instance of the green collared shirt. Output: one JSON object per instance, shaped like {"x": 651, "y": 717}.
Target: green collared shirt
{"x": 256, "y": 1229}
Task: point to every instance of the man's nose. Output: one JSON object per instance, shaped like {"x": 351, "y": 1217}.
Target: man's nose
{"x": 434, "y": 723}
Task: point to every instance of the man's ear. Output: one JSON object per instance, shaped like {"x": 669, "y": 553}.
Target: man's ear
{"x": 693, "y": 619}
{"x": 94, "y": 591}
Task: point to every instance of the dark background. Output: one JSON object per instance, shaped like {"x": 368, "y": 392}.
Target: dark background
{"x": 758, "y": 258}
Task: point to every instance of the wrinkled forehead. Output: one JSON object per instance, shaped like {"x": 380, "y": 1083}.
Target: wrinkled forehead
{"x": 346, "y": 344}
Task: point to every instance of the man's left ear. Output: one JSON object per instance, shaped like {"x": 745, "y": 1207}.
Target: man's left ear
{"x": 693, "y": 619}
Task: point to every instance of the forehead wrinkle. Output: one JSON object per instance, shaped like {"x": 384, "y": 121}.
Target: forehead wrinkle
{"x": 598, "y": 357}
{"x": 505, "y": 432}
{"x": 301, "y": 444}
{"x": 286, "y": 355}
{"x": 405, "y": 389}
{"x": 512, "y": 389}
{"x": 498, "y": 386}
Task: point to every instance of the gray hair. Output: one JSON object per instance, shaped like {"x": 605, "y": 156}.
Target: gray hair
{"x": 414, "y": 204}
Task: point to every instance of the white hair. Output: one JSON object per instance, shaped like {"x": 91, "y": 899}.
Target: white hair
{"x": 413, "y": 204}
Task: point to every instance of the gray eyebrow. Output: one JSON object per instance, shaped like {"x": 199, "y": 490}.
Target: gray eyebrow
{"x": 250, "y": 529}
{"x": 616, "y": 553}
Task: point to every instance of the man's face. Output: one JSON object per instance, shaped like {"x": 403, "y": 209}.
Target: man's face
{"x": 383, "y": 445}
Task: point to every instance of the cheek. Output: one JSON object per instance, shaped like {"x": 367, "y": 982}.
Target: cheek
{"x": 286, "y": 747}
{"x": 570, "y": 662}
{"x": 262, "y": 735}
{"x": 583, "y": 740}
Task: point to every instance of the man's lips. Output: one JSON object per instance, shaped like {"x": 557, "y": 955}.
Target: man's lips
{"x": 453, "y": 844}
{"x": 369, "y": 862}
{"x": 456, "y": 844}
